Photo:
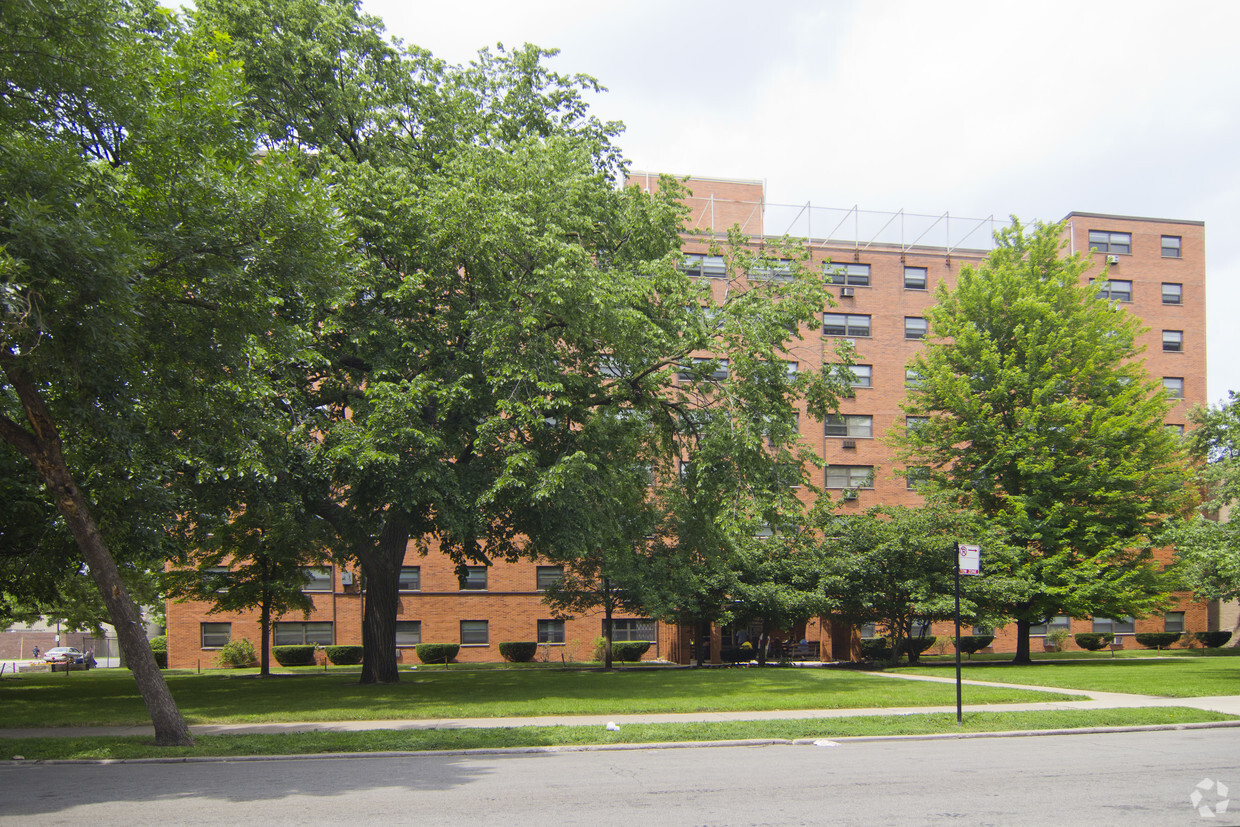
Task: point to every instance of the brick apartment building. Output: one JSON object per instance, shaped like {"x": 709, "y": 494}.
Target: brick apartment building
{"x": 884, "y": 272}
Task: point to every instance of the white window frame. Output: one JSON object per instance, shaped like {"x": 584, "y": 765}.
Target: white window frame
{"x": 854, "y": 325}
{"x": 408, "y": 633}
{"x": 475, "y": 633}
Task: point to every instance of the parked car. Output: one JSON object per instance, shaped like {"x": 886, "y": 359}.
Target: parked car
{"x": 63, "y": 654}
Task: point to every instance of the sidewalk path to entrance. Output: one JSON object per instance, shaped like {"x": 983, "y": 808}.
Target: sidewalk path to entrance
{"x": 1227, "y": 704}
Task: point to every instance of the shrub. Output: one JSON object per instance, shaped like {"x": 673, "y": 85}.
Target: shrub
{"x": 437, "y": 652}
{"x": 345, "y": 655}
{"x": 1156, "y": 640}
{"x": 294, "y": 655}
{"x": 629, "y": 650}
{"x": 917, "y": 645}
{"x": 876, "y": 648}
{"x": 1093, "y": 641}
{"x": 519, "y": 651}
{"x": 1213, "y": 639}
{"x": 237, "y": 654}
{"x": 597, "y": 649}
{"x": 1058, "y": 638}
{"x": 159, "y": 647}
{"x": 970, "y": 644}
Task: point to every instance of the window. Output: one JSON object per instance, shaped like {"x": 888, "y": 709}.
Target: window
{"x": 850, "y": 476}
{"x": 845, "y": 324}
{"x": 1116, "y": 626}
{"x": 408, "y": 632}
{"x": 551, "y": 631}
{"x": 915, "y": 476}
{"x": 912, "y": 379}
{"x": 857, "y": 275}
{"x": 1056, "y": 622}
{"x": 1102, "y": 241}
{"x": 914, "y": 278}
{"x": 868, "y": 630}
{"x": 718, "y": 374}
{"x": 1113, "y": 289}
{"x": 914, "y": 327}
{"x": 410, "y": 579}
{"x": 863, "y": 375}
{"x": 1171, "y": 246}
{"x": 548, "y": 576}
{"x": 712, "y": 267}
{"x": 632, "y": 629}
{"x": 1173, "y": 622}
{"x": 983, "y": 630}
{"x": 1174, "y": 386}
{"x": 1173, "y": 341}
{"x": 609, "y": 368}
{"x": 1178, "y": 430}
{"x": 776, "y": 270}
{"x": 317, "y": 579}
{"x": 218, "y": 577}
{"x": 475, "y": 633}
{"x": 215, "y": 635}
{"x": 1172, "y": 293}
{"x": 913, "y": 422}
{"x": 475, "y": 579}
{"x": 686, "y": 468}
{"x": 857, "y": 427}
{"x": 303, "y": 634}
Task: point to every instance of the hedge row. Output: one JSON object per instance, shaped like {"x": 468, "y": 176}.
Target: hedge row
{"x": 437, "y": 652}
{"x": 159, "y": 647}
{"x": 1156, "y": 640}
{"x": 1093, "y": 641}
{"x": 520, "y": 651}
{"x": 345, "y": 655}
{"x": 294, "y": 655}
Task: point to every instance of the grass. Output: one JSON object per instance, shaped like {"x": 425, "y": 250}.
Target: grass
{"x": 1173, "y": 674}
{"x": 310, "y": 743}
{"x": 110, "y": 698}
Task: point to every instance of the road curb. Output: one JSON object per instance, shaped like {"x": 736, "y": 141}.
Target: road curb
{"x": 658, "y": 745}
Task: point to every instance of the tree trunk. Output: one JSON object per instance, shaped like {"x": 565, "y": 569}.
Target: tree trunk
{"x": 43, "y": 448}
{"x": 1022, "y": 642}
{"x": 264, "y": 653}
{"x": 607, "y": 632}
{"x": 763, "y": 642}
{"x": 381, "y": 566}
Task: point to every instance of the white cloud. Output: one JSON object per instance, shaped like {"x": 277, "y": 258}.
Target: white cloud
{"x": 978, "y": 107}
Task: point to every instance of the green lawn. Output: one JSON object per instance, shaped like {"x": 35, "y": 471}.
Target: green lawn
{"x": 109, "y": 697}
{"x": 309, "y": 743}
{"x": 1183, "y": 675}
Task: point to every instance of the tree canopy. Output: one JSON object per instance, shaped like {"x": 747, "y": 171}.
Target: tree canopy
{"x": 1042, "y": 418}
{"x": 149, "y": 265}
{"x": 1208, "y": 546}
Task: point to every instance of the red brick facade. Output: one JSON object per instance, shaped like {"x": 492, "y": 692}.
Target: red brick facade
{"x": 890, "y": 306}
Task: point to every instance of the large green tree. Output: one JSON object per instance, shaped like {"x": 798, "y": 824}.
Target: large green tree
{"x": 1208, "y": 548}
{"x": 894, "y": 566}
{"x": 1042, "y": 418}
{"x": 509, "y": 294}
{"x": 148, "y": 267}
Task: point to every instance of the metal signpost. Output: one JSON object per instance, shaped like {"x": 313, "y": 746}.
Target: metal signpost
{"x": 968, "y": 562}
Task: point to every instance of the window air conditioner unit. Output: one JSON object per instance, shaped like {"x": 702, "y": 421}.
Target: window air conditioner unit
{"x": 1112, "y": 259}
{"x": 346, "y": 578}
{"x": 847, "y": 291}
{"x": 850, "y": 493}
{"x": 850, "y": 443}
{"x": 850, "y": 341}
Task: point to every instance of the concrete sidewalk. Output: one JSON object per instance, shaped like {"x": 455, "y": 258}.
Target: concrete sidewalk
{"x": 1227, "y": 704}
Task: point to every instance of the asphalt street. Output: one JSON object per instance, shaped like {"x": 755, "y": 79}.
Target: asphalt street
{"x": 1130, "y": 778}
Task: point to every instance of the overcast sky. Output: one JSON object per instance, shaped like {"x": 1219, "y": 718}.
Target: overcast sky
{"x": 973, "y": 108}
